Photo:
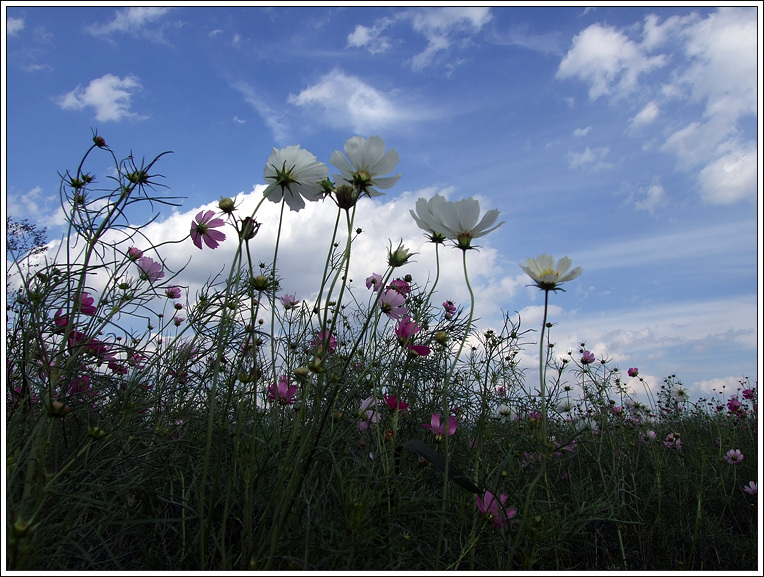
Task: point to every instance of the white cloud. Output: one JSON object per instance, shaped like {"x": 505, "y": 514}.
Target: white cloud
{"x": 369, "y": 38}
{"x": 590, "y": 157}
{"x": 731, "y": 177}
{"x": 135, "y": 21}
{"x": 347, "y": 101}
{"x": 109, "y": 95}
{"x": 582, "y": 131}
{"x": 647, "y": 115}
{"x": 444, "y": 26}
{"x": 273, "y": 119}
{"x": 653, "y": 198}
{"x": 608, "y": 61}
{"x": 13, "y": 26}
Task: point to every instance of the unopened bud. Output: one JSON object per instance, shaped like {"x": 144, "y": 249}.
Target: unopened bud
{"x": 227, "y": 205}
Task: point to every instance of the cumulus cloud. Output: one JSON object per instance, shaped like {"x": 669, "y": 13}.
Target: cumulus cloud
{"x": 349, "y": 102}
{"x": 137, "y": 21}
{"x": 582, "y": 131}
{"x": 109, "y": 95}
{"x": 13, "y": 26}
{"x": 652, "y": 198}
{"x": 608, "y": 61}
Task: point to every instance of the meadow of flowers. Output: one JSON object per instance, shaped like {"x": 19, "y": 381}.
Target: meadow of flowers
{"x": 366, "y": 428}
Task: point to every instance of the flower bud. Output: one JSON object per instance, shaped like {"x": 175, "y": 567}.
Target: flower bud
{"x": 99, "y": 141}
{"x": 441, "y": 337}
{"x": 226, "y": 205}
{"x": 399, "y": 256}
{"x": 260, "y": 282}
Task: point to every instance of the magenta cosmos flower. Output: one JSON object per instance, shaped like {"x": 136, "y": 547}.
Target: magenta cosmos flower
{"x": 149, "y": 269}
{"x": 734, "y": 456}
{"x": 405, "y": 331}
{"x": 633, "y": 372}
{"x": 440, "y": 429}
{"x": 495, "y": 509}
{"x": 391, "y": 302}
{"x": 283, "y": 392}
{"x": 587, "y": 358}
{"x": 201, "y": 230}
{"x": 394, "y": 404}
{"x": 289, "y": 302}
{"x": 85, "y": 302}
{"x": 134, "y": 253}
{"x": 450, "y": 308}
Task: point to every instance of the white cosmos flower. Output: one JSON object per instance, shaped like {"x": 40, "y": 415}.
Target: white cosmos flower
{"x": 546, "y": 275}
{"x": 297, "y": 174}
{"x": 457, "y": 220}
{"x": 364, "y": 162}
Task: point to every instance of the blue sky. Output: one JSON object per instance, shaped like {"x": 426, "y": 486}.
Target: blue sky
{"x": 624, "y": 138}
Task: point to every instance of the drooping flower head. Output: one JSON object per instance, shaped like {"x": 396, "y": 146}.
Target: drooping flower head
{"x": 392, "y": 304}
{"x": 283, "y": 392}
{"x": 201, "y": 230}
{"x": 450, "y": 308}
{"x": 546, "y": 275}
{"x": 457, "y": 220}
{"x": 364, "y": 163}
{"x": 295, "y": 176}
{"x": 441, "y": 430}
{"x": 149, "y": 269}
{"x": 495, "y": 509}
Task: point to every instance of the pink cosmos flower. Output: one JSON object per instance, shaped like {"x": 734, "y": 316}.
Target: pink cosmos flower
{"x": 751, "y": 488}
{"x": 172, "y": 292}
{"x": 289, "y": 302}
{"x": 633, "y": 372}
{"x": 325, "y": 339}
{"x": 400, "y": 286}
{"x": 450, "y": 309}
{"x": 749, "y": 394}
{"x": 149, "y": 269}
{"x": 405, "y": 330}
{"x": 733, "y": 456}
{"x": 283, "y": 392}
{"x": 439, "y": 428}
{"x": 117, "y": 368}
{"x": 374, "y": 282}
{"x": 391, "y": 303}
{"x": 368, "y": 413}
{"x": 587, "y": 358}
{"x": 734, "y": 404}
{"x": 134, "y": 253}
{"x": 201, "y": 230}
{"x": 651, "y": 435}
{"x": 85, "y": 302}
{"x": 393, "y": 404}
{"x": 495, "y": 509}
{"x": 178, "y": 320}
{"x": 672, "y": 441}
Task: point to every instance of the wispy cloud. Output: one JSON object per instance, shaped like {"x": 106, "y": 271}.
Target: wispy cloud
{"x": 444, "y": 26}
{"x": 370, "y": 38}
{"x": 273, "y": 119}
{"x": 109, "y": 95}
{"x": 592, "y": 158}
{"x": 136, "y": 21}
